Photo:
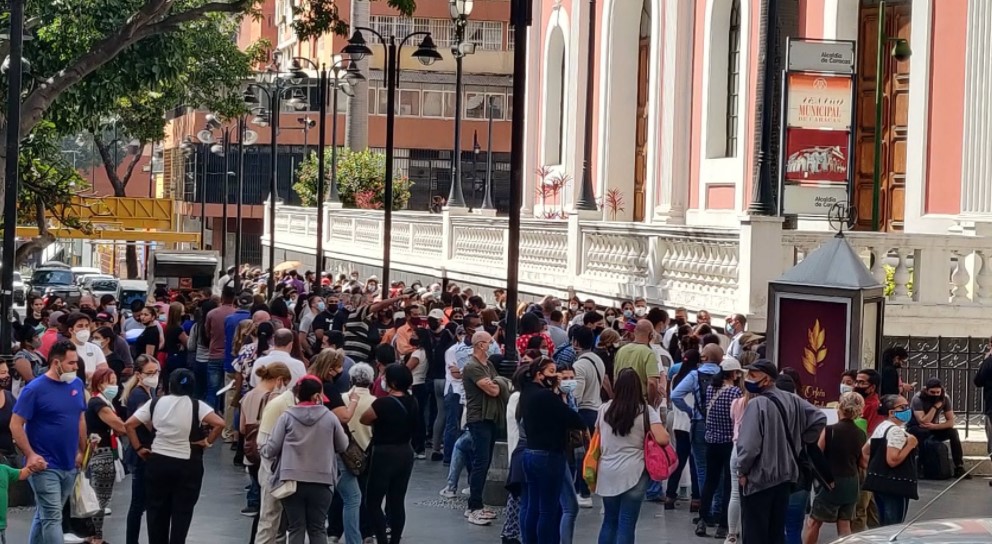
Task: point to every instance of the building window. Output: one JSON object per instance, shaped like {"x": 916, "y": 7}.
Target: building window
{"x": 495, "y": 105}
{"x": 733, "y": 77}
{"x": 475, "y": 106}
{"x": 486, "y": 35}
{"x": 409, "y": 103}
{"x": 510, "y": 36}
{"x": 372, "y": 100}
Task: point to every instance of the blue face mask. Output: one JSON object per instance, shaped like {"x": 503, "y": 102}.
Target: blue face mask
{"x": 753, "y": 387}
{"x": 320, "y": 306}
{"x": 567, "y": 386}
{"x": 903, "y": 415}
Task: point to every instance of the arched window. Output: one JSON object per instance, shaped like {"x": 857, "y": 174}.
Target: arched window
{"x": 733, "y": 77}
{"x": 554, "y": 104}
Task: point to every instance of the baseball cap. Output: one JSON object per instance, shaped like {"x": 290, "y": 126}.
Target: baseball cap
{"x": 103, "y": 317}
{"x": 730, "y": 364}
{"x": 436, "y": 313}
{"x": 764, "y": 365}
{"x": 54, "y": 317}
{"x": 245, "y": 299}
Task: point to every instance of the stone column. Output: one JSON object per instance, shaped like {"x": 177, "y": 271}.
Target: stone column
{"x": 976, "y": 177}
{"x": 760, "y": 250}
{"x": 532, "y": 138}
{"x": 676, "y": 116}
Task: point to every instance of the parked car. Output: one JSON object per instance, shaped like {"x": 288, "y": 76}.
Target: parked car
{"x": 55, "y": 279}
{"x": 19, "y": 295}
{"x": 99, "y": 285}
{"x": 131, "y": 290}
{"x": 938, "y": 531}
{"x": 78, "y": 272}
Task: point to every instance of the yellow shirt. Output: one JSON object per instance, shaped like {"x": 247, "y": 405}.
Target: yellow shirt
{"x": 270, "y": 415}
{"x": 362, "y": 433}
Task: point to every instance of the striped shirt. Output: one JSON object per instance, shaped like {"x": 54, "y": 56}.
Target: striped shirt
{"x": 719, "y": 422}
{"x": 358, "y": 342}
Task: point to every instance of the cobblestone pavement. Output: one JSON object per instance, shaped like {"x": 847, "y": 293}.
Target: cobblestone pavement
{"x": 432, "y": 519}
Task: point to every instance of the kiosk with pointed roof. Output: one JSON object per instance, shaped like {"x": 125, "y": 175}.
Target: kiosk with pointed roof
{"x": 825, "y": 315}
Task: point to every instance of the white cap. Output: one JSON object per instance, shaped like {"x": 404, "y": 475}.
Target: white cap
{"x": 436, "y": 313}
{"x": 730, "y": 364}
{"x": 398, "y": 315}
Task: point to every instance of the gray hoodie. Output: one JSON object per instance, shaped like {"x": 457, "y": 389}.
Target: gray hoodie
{"x": 764, "y": 451}
{"x": 306, "y": 440}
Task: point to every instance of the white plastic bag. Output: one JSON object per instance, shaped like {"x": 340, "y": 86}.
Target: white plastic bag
{"x": 84, "y": 503}
{"x": 285, "y": 489}
{"x": 120, "y": 473}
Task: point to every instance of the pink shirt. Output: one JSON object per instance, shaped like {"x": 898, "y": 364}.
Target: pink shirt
{"x": 737, "y": 413}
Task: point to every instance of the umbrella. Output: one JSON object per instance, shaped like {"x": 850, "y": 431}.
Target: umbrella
{"x": 287, "y": 266}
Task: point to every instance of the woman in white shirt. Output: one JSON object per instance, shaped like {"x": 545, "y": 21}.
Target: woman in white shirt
{"x": 174, "y": 459}
{"x": 900, "y": 448}
{"x": 417, "y": 363}
{"x": 622, "y": 480}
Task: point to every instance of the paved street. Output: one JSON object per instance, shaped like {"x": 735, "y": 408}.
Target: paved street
{"x": 432, "y": 519}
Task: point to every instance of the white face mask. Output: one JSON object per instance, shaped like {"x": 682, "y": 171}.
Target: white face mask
{"x": 83, "y": 336}
{"x": 640, "y": 311}
{"x": 110, "y": 392}
{"x": 844, "y": 388}
{"x": 151, "y": 382}
{"x": 66, "y": 377}
{"x": 382, "y": 384}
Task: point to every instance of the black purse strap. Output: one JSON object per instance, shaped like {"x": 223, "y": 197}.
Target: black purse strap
{"x": 785, "y": 427}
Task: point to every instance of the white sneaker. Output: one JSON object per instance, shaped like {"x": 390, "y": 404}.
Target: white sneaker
{"x": 584, "y": 502}
{"x": 421, "y": 456}
{"x": 731, "y": 539}
{"x": 448, "y": 493}
{"x": 467, "y": 491}
{"x": 106, "y": 511}
{"x": 333, "y": 540}
{"x": 476, "y": 518}
{"x": 70, "y": 538}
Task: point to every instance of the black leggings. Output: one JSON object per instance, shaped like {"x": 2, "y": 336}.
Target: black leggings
{"x": 390, "y": 467}
{"x": 717, "y": 473}
{"x": 172, "y": 488}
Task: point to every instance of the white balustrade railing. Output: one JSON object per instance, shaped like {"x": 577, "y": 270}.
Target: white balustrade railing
{"x": 722, "y": 270}
{"x": 923, "y": 268}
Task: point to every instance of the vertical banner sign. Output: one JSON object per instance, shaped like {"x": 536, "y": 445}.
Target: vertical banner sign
{"x": 812, "y": 339}
{"x": 816, "y": 138}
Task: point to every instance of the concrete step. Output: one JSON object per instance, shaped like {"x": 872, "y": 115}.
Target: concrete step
{"x": 974, "y": 447}
{"x": 984, "y": 465}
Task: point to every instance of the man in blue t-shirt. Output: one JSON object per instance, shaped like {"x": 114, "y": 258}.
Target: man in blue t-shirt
{"x": 48, "y": 427}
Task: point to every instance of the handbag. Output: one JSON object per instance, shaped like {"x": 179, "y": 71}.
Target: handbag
{"x": 354, "y": 457}
{"x": 808, "y": 470}
{"x": 284, "y": 489}
{"x": 899, "y": 481}
{"x": 590, "y": 463}
{"x": 84, "y": 502}
{"x": 660, "y": 461}
{"x": 251, "y": 449}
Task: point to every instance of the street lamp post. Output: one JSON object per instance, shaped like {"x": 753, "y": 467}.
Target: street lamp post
{"x": 427, "y": 54}
{"x": 487, "y": 198}
{"x": 306, "y": 124}
{"x": 761, "y": 197}
{"x": 476, "y": 149}
{"x": 273, "y": 83}
{"x": 13, "y": 145}
{"x": 460, "y": 11}
{"x": 325, "y": 84}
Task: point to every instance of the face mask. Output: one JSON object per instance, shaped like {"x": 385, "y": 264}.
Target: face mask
{"x": 5, "y": 383}
{"x": 66, "y": 377}
{"x": 382, "y": 384}
{"x": 544, "y": 352}
{"x": 321, "y": 306}
{"x": 679, "y": 321}
{"x": 83, "y": 336}
{"x": 433, "y": 323}
{"x": 161, "y": 319}
{"x": 599, "y": 330}
{"x": 640, "y": 311}
{"x": 863, "y": 391}
{"x": 729, "y": 328}
{"x": 549, "y": 381}
{"x": 151, "y": 382}
{"x": 36, "y": 343}
{"x": 111, "y": 309}
{"x": 110, "y": 392}
{"x": 628, "y": 314}
{"x": 753, "y": 387}
{"x": 610, "y": 319}
{"x": 573, "y": 307}
{"x": 568, "y": 386}
{"x": 903, "y": 415}
{"x": 844, "y": 388}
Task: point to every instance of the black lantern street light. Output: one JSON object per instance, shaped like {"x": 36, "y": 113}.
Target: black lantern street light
{"x": 460, "y": 11}
{"x": 188, "y": 147}
{"x": 276, "y": 84}
{"x": 325, "y": 85}
{"x": 487, "y": 198}
{"x": 427, "y": 54}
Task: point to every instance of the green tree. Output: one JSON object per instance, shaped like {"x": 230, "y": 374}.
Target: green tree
{"x": 361, "y": 180}
{"x": 85, "y": 52}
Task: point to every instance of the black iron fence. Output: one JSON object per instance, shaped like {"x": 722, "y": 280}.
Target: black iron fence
{"x": 953, "y": 360}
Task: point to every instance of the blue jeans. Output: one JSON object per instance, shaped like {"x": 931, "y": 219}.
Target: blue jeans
{"x": 483, "y": 440}
{"x": 683, "y": 447}
{"x": 51, "y": 489}
{"x": 452, "y": 423}
{"x": 254, "y": 495}
{"x": 589, "y": 417}
{"x": 621, "y": 513}
{"x": 351, "y": 495}
{"x": 540, "y": 513}
{"x": 137, "y": 508}
{"x": 794, "y": 516}
{"x": 891, "y": 509}
{"x": 215, "y": 380}
{"x": 569, "y": 504}
{"x": 460, "y": 458}
{"x": 698, "y": 437}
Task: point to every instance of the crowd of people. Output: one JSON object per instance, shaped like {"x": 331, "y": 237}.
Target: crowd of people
{"x": 330, "y": 395}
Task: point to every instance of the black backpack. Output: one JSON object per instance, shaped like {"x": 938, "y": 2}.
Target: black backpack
{"x": 703, "y": 382}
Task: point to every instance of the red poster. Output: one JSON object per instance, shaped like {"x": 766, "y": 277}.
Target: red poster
{"x": 812, "y": 339}
{"x": 816, "y": 155}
